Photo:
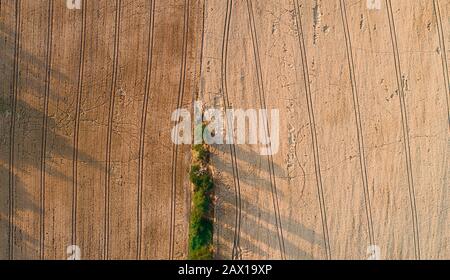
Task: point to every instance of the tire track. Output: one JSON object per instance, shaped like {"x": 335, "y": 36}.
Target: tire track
{"x": 236, "y": 251}
{"x": 267, "y": 134}
{"x": 405, "y": 128}
{"x": 202, "y": 47}
{"x": 175, "y": 146}
{"x": 110, "y": 130}
{"x": 77, "y": 123}
{"x": 437, "y": 11}
{"x": 312, "y": 122}
{"x": 143, "y": 128}
{"x": 12, "y": 130}
{"x": 360, "y": 134}
{"x": 45, "y": 127}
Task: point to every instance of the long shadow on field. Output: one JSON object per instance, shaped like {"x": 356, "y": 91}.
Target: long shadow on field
{"x": 27, "y": 140}
{"x": 258, "y": 234}
{"x": 256, "y": 165}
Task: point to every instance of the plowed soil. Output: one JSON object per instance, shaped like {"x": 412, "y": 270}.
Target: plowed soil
{"x": 86, "y": 100}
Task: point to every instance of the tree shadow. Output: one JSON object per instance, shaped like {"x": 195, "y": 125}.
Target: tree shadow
{"x": 253, "y": 216}
{"x": 29, "y": 116}
{"x": 247, "y": 177}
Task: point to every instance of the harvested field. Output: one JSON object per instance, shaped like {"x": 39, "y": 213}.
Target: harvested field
{"x": 87, "y": 95}
{"x": 87, "y": 164}
{"x": 364, "y": 130}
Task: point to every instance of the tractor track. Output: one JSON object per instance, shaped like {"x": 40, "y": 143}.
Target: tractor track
{"x": 77, "y": 122}
{"x": 405, "y": 128}
{"x": 312, "y": 122}
{"x": 359, "y": 126}
{"x": 261, "y": 92}
{"x": 12, "y": 130}
{"x": 44, "y": 129}
{"x": 437, "y": 11}
{"x": 148, "y": 77}
{"x": 235, "y": 254}
{"x": 181, "y": 92}
{"x": 113, "y": 93}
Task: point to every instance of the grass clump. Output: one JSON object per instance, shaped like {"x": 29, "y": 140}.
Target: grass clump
{"x": 201, "y": 153}
{"x": 202, "y": 254}
{"x": 201, "y": 225}
{"x": 200, "y": 178}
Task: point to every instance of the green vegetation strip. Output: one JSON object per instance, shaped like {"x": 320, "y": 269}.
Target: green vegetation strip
{"x": 201, "y": 223}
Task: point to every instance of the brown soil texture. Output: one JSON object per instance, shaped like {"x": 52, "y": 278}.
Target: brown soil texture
{"x": 86, "y": 101}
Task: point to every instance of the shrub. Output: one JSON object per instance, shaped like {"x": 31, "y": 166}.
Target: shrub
{"x": 201, "y": 234}
{"x": 202, "y": 201}
{"x": 201, "y": 226}
{"x": 200, "y": 178}
{"x": 204, "y": 253}
{"x": 202, "y": 153}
